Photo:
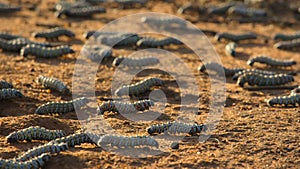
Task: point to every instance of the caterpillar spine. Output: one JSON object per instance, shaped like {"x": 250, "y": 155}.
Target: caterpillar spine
{"x": 219, "y": 69}
{"x": 288, "y": 44}
{"x": 10, "y": 93}
{"x": 286, "y": 37}
{"x": 53, "y": 83}
{"x": 151, "y": 42}
{"x": 61, "y": 107}
{"x": 80, "y": 12}
{"x": 293, "y": 99}
{"x": 127, "y": 141}
{"x": 77, "y": 139}
{"x": 54, "y": 33}
{"x": 263, "y": 72}
{"x": 34, "y": 163}
{"x": 271, "y": 61}
{"x": 135, "y": 62}
{"x": 235, "y": 37}
{"x": 45, "y": 52}
{"x": 8, "y": 36}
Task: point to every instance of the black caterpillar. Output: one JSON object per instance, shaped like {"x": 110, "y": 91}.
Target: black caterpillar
{"x": 45, "y": 52}
{"x": 127, "y": 141}
{"x": 54, "y": 33}
{"x": 77, "y": 139}
{"x": 80, "y": 12}
{"x": 119, "y": 39}
{"x": 288, "y": 44}
{"x": 235, "y": 37}
{"x": 220, "y": 10}
{"x": 135, "y": 62}
{"x": 8, "y": 36}
{"x": 34, "y": 163}
{"x": 68, "y": 5}
{"x": 285, "y": 37}
{"x": 263, "y": 72}
{"x": 128, "y": 3}
{"x": 96, "y": 53}
{"x": 34, "y": 133}
{"x": 153, "y": 43}
{"x": 177, "y": 128}
{"x": 121, "y": 107}
{"x": 248, "y": 12}
{"x": 271, "y": 61}
{"x": 95, "y": 34}
{"x": 219, "y": 68}
{"x": 163, "y": 21}
{"x": 61, "y": 107}
{"x": 189, "y": 7}
{"x": 53, "y": 83}
{"x": 15, "y": 45}
{"x": 6, "y": 8}
{"x": 293, "y": 99}
{"x": 264, "y": 80}
{"x": 10, "y": 93}
{"x": 4, "y": 84}
{"x": 45, "y": 148}
{"x": 230, "y": 49}
{"x": 139, "y": 87}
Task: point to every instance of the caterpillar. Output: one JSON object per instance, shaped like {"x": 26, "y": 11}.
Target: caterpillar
{"x": 45, "y": 52}
{"x": 53, "y": 83}
{"x": 4, "y": 84}
{"x": 177, "y": 128}
{"x": 61, "y": 107}
{"x": 127, "y": 141}
{"x": 135, "y": 62}
{"x": 34, "y": 163}
{"x": 188, "y": 7}
{"x": 292, "y": 99}
{"x": 263, "y": 72}
{"x": 295, "y": 91}
{"x": 80, "y": 12}
{"x": 8, "y": 36}
{"x": 121, "y": 107}
{"x": 163, "y": 21}
{"x": 96, "y": 53}
{"x": 288, "y": 44}
{"x": 286, "y": 37}
{"x": 128, "y": 3}
{"x": 6, "y": 8}
{"x": 54, "y": 33}
{"x": 45, "y": 148}
{"x": 248, "y": 12}
{"x": 139, "y": 87}
{"x": 151, "y": 42}
{"x": 119, "y": 39}
{"x": 95, "y": 34}
{"x": 271, "y": 61}
{"x": 34, "y": 133}
{"x": 219, "y": 69}
{"x": 77, "y": 139}
{"x": 9, "y": 93}
{"x": 16, "y": 45}
{"x": 235, "y": 37}
{"x": 221, "y": 10}
{"x": 230, "y": 49}
{"x": 264, "y": 80}
{"x": 67, "y": 5}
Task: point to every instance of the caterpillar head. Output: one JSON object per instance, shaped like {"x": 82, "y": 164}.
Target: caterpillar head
{"x": 19, "y": 94}
{"x": 271, "y": 102}
{"x": 24, "y": 52}
{"x": 236, "y": 76}
{"x": 36, "y": 35}
{"x": 150, "y": 130}
{"x": 11, "y": 138}
{"x": 60, "y": 13}
{"x": 241, "y": 81}
{"x": 278, "y": 36}
{"x": 250, "y": 62}
{"x": 202, "y": 68}
{"x": 117, "y": 61}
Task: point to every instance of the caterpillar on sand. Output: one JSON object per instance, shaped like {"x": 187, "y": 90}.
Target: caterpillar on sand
{"x": 127, "y": 141}
{"x": 77, "y": 139}
{"x": 80, "y": 12}
{"x": 6, "y": 8}
{"x": 153, "y": 43}
{"x": 230, "y": 49}
{"x": 177, "y": 128}
{"x": 34, "y": 133}
{"x": 135, "y": 62}
{"x": 45, "y": 52}
{"x": 123, "y": 107}
{"x": 33, "y": 163}
{"x": 61, "y": 107}
{"x": 15, "y": 45}
{"x": 4, "y": 84}
{"x": 247, "y": 12}
{"x": 96, "y": 53}
{"x": 285, "y": 37}
{"x": 119, "y": 39}
{"x": 54, "y": 33}
{"x": 128, "y": 3}
{"x": 10, "y": 93}
{"x": 293, "y": 99}
{"x": 50, "y": 148}
{"x": 53, "y": 84}
{"x": 163, "y": 21}
{"x": 188, "y": 7}
{"x": 139, "y": 87}
{"x": 271, "y": 61}
{"x": 288, "y": 44}
{"x": 264, "y": 80}
{"x": 68, "y": 5}
{"x": 219, "y": 69}
{"x": 96, "y": 33}
{"x": 8, "y": 36}
{"x": 263, "y": 72}
{"x": 220, "y": 10}
{"x": 235, "y": 37}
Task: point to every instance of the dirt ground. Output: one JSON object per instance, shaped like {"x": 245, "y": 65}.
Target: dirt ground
{"x": 250, "y": 133}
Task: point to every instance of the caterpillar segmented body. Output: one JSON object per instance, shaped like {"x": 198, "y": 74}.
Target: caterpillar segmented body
{"x": 10, "y": 93}
{"x": 219, "y": 69}
{"x": 45, "y": 148}
{"x": 6, "y": 8}
{"x": 293, "y": 99}
{"x": 271, "y": 61}
{"x": 264, "y": 80}
{"x": 77, "y": 139}
{"x": 221, "y": 10}
{"x": 135, "y": 62}
{"x": 139, "y": 87}
{"x": 163, "y": 21}
{"x": 235, "y": 37}
{"x": 152, "y": 42}
{"x": 96, "y": 53}
{"x": 230, "y": 49}
{"x": 54, "y": 33}
{"x": 263, "y": 72}
{"x": 80, "y": 12}
{"x": 177, "y": 128}
{"x": 288, "y": 44}
{"x": 128, "y": 3}
{"x": 15, "y": 45}
{"x": 61, "y": 107}
{"x": 53, "y": 83}
{"x": 67, "y": 5}
{"x": 119, "y": 39}
{"x": 8, "y": 36}
{"x": 248, "y": 12}
{"x": 34, "y": 163}
{"x": 286, "y": 37}
{"x": 122, "y": 107}
{"x": 45, "y": 52}
{"x": 34, "y": 133}
{"x": 127, "y": 141}
{"x": 5, "y": 85}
